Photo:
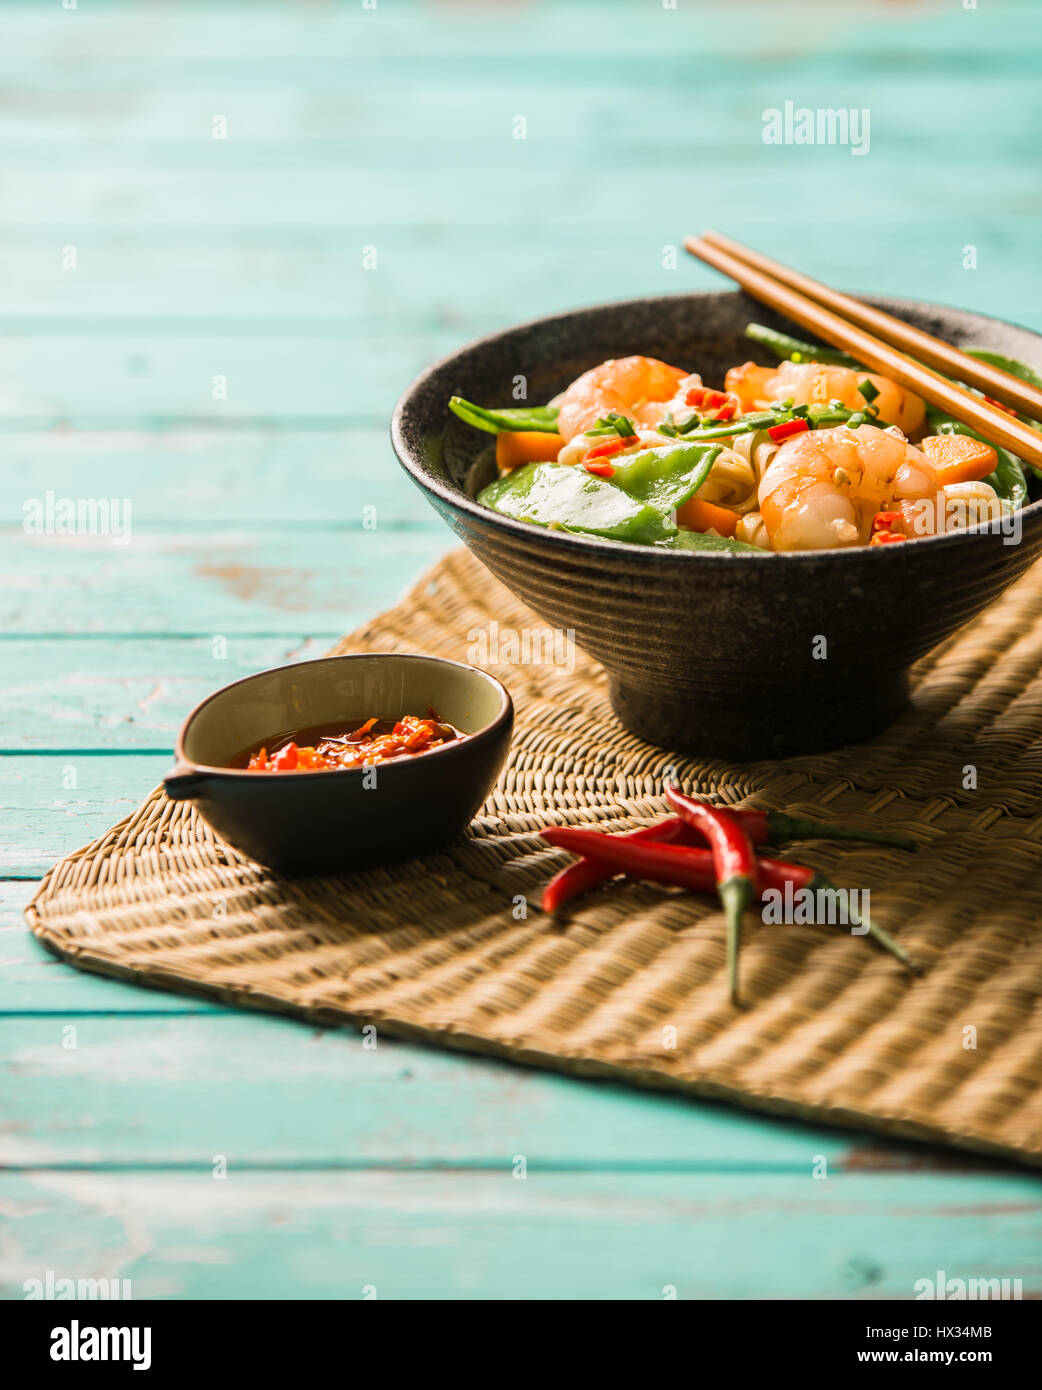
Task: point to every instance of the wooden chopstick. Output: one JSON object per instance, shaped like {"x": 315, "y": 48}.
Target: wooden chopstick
{"x": 993, "y": 424}
{"x": 935, "y": 352}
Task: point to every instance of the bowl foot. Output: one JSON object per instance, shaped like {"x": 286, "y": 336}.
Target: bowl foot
{"x": 769, "y": 721}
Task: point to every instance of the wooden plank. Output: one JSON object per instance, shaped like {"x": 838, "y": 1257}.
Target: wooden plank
{"x": 210, "y": 583}
{"x": 33, "y": 981}
{"x": 199, "y": 478}
{"x": 280, "y": 1094}
{"x": 167, "y": 110}
{"x": 284, "y": 1094}
{"x": 118, "y": 694}
{"x": 54, "y": 804}
{"x": 487, "y": 1235}
{"x": 278, "y": 33}
{"x": 140, "y": 375}
{"x": 226, "y": 201}
{"x": 311, "y": 280}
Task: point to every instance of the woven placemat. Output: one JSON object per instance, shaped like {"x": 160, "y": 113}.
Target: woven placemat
{"x": 632, "y": 984}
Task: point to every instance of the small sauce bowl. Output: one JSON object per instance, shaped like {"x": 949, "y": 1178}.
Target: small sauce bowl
{"x": 335, "y": 821}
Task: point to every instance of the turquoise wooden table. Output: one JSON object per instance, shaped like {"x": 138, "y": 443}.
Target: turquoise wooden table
{"x": 230, "y": 236}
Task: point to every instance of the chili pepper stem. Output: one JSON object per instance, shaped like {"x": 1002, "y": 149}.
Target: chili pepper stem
{"x": 784, "y": 827}
{"x": 883, "y": 938}
{"x": 735, "y": 894}
{"x": 889, "y": 944}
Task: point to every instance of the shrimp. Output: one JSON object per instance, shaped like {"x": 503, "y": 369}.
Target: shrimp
{"x": 823, "y": 487}
{"x": 815, "y": 383}
{"x": 641, "y": 388}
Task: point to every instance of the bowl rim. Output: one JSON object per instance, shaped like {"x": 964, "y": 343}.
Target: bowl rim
{"x": 186, "y": 766}
{"x": 653, "y": 554}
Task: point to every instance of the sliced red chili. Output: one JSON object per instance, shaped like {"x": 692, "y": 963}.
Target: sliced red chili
{"x": 712, "y": 399}
{"x": 883, "y": 521}
{"x": 726, "y": 412}
{"x": 789, "y": 428}
{"x": 285, "y": 760}
{"x": 609, "y": 447}
{"x": 886, "y": 538}
{"x": 600, "y": 470}
{"x": 695, "y": 396}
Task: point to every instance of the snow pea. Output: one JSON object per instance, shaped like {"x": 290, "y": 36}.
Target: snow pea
{"x": 667, "y": 476}
{"x": 568, "y": 498}
{"x": 702, "y": 540}
{"x": 787, "y": 348}
{"x": 540, "y": 418}
{"x": 1007, "y": 364}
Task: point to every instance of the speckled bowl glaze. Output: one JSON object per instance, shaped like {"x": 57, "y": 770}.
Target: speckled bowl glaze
{"x": 739, "y": 656}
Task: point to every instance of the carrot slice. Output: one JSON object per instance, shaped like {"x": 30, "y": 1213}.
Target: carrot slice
{"x": 696, "y": 515}
{"x": 959, "y": 458}
{"x": 515, "y": 447}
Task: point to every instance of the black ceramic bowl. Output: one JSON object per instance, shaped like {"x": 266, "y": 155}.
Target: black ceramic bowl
{"x": 333, "y": 821}
{"x": 742, "y": 656}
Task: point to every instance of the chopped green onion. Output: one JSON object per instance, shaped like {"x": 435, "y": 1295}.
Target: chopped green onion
{"x": 758, "y": 419}
{"x": 869, "y": 391}
{"x": 693, "y": 421}
{"x": 858, "y": 418}
{"x": 618, "y": 423}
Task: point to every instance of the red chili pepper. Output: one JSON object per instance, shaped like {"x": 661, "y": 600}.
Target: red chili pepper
{"x": 609, "y": 447}
{"x": 886, "y": 538}
{"x": 762, "y": 827}
{"x": 695, "y": 396}
{"x": 726, "y": 412}
{"x": 686, "y": 866}
{"x": 586, "y": 874}
{"x": 884, "y": 521}
{"x": 999, "y": 406}
{"x": 600, "y": 470}
{"x": 711, "y": 399}
{"x": 790, "y": 427}
{"x": 683, "y": 866}
{"x": 735, "y": 862}
{"x": 776, "y": 827}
